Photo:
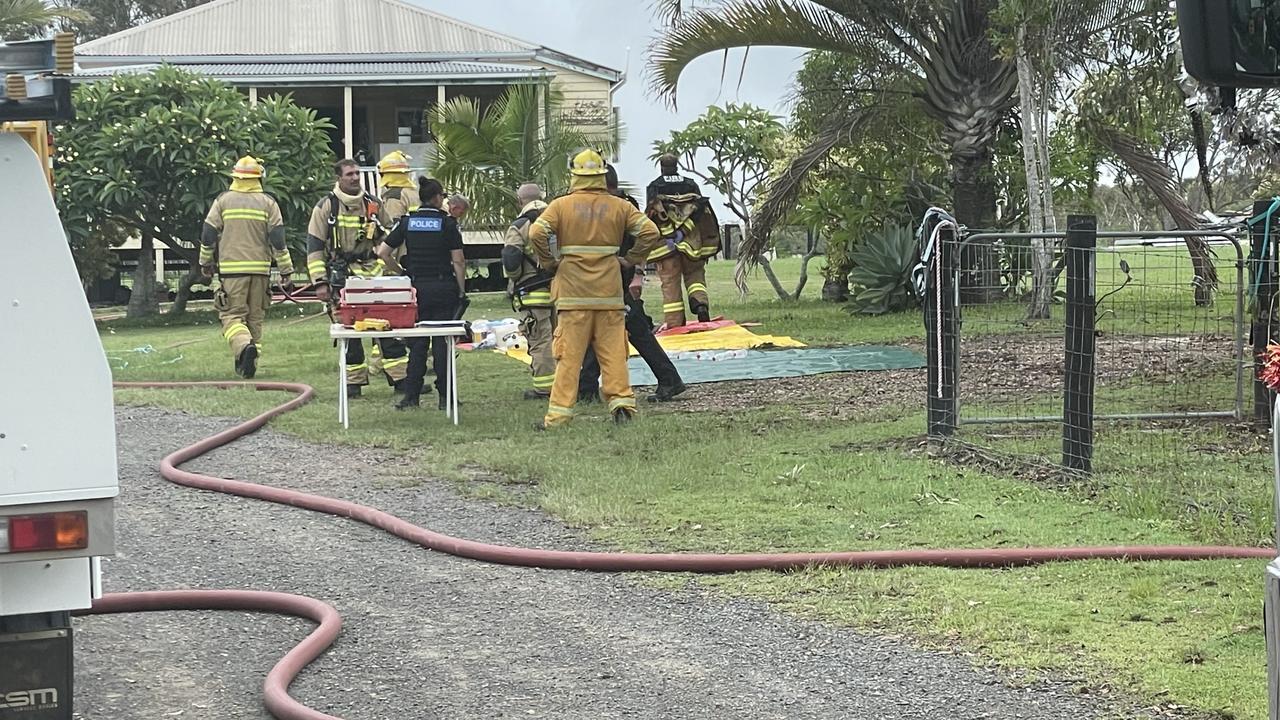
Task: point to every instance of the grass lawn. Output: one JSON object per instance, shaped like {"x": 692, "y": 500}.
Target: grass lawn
{"x": 778, "y": 475}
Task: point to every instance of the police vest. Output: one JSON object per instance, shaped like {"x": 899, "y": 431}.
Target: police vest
{"x": 427, "y": 254}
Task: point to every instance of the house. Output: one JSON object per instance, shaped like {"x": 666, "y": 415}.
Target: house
{"x": 373, "y": 68}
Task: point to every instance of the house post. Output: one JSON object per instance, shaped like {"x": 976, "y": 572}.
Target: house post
{"x": 348, "y": 132}
{"x": 253, "y": 97}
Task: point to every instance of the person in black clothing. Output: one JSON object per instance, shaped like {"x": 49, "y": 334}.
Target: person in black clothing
{"x": 670, "y": 182}
{"x": 434, "y": 260}
{"x": 639, "y": 328}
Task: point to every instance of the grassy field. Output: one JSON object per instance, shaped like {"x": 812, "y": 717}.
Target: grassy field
{"x": 826, "y": 463}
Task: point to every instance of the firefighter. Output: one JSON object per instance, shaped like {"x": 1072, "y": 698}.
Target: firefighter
{"x": 346, "y": 225}
{"x": 589, "y": 224}
{"x": 399, "y": 193}
{"x": 639, "y": 328}
{"x": 531, "y": 291}
{"x": 438, "y": 268}
{"x": 690, "y": 235}
{"x": 242, "y": 234}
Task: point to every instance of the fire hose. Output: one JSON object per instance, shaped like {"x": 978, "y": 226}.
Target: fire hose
{"x": 284, "y": 707}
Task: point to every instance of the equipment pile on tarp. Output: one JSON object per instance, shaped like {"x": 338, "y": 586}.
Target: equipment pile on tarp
{"x": 724, "y": 350}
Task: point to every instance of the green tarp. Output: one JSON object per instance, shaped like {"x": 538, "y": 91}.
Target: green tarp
{"x": 719, "y": 365}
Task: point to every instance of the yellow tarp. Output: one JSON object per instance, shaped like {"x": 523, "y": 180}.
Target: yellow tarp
{"x": 733, "y": 337}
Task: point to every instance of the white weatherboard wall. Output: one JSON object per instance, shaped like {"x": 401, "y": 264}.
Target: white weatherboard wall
{"x": 57, "y": 426}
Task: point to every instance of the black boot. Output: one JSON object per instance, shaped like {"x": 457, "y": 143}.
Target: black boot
{"x": 247, "y": 363}
{"x": 537, "y": 394}
{"x": 353, "y": 391}
{"x": 408, "y": 402}
{"x": 667, "y": 393}
{"x": 589, "y": 397}
{"x": 621, "y": 416}
{"x": 703, "y": 312}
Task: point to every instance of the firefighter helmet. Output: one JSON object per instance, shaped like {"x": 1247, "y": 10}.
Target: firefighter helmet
{"x": 248, "y": 167}
{"x": 394, "y": 162}
{"x": 587, "y": 162}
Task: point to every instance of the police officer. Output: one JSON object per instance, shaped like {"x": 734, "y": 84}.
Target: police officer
{"x": 434, "y": 260}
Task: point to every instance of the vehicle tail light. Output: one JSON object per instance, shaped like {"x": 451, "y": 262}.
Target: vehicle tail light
{"x": 44, "y": 532}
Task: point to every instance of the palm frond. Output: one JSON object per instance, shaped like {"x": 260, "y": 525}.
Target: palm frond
{"x": 967, "y": 84}
{"x": 668, "y": 12}
{"x": 19, "y": 15}
{"x": 746, "y": 23}
{"x": 911, "y": 26}
{"x": 519, "y": 138}
{"x": 840, "y": 127}
{"x": 1078, "y": 20}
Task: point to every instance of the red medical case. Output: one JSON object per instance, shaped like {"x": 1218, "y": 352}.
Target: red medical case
{"x": 390, "y": 298}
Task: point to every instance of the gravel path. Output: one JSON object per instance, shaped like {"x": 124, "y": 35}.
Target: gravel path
{"x": 430, "y": 636}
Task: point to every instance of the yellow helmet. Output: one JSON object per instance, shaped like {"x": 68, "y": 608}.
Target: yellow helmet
{"x": 394, "y": 162}
{"x": 248, "y": 167}
{"x": 587, "y": 162}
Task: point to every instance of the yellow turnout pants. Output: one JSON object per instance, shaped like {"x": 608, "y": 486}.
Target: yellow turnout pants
{"x": 672, "y": 270}
{"x": 604, "y": 330}
{"x": 538, "y": 326}
{"x": 242, "y": 306}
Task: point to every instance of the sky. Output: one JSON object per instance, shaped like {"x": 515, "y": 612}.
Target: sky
{"x": 601, "y": 31}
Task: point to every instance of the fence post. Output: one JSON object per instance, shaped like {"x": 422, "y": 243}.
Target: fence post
{"x": 1078, "y": 368}
{"x": 942, "y": 325}
{"x": 1262, "y": 277}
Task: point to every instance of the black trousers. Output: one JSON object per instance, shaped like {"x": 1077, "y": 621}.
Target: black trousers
{"x": 437, "y": 300}
{"x": 640, "y": 335}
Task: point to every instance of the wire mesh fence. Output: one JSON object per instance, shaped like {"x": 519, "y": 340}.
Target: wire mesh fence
{"x": 1133, "y": 352}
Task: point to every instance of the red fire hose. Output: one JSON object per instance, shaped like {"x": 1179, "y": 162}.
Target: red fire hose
{"x": 276, "y": 689}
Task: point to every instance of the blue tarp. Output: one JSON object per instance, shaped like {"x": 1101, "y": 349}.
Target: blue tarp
{"x": 720, "y": 365}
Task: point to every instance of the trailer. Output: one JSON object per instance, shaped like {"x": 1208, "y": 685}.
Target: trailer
{"x": 58, "y": 477}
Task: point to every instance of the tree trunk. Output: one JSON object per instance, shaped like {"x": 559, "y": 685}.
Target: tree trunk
{"x": 773, "y": 279}
{"x": 142, "y": 300}
{"x": 1159, "y": 178}
{"x": 192, "y": 278}
{"x": 836, "y": 291}
{"x": 1034, "y": 154}
{"x": 810, "y": 251}
{"x": 973, "y": 192}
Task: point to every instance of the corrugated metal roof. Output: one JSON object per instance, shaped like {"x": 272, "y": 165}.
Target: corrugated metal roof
{"x": 303, "y": 27}
{"x": 336, "y": 70}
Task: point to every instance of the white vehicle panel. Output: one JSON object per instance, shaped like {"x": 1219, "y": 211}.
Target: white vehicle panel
{"x": 46, "y": 586}
{"x": 57, "y": 425}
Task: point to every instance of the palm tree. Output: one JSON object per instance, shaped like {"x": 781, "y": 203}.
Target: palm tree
{"x": 486, "y": 154}
{"x": 22, "y": 18}
{"x": 943, "y": 50}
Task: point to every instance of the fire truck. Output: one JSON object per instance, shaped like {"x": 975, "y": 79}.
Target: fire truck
{"x": 57, "y": 427}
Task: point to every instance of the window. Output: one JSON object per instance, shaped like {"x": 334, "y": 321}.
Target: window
{"x": 411, "y": 126}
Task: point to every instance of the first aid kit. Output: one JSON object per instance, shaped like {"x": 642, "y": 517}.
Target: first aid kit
{"x": 391, "y": 298}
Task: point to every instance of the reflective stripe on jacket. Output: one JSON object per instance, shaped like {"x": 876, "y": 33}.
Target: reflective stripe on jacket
{"x": 243, "y": 221}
